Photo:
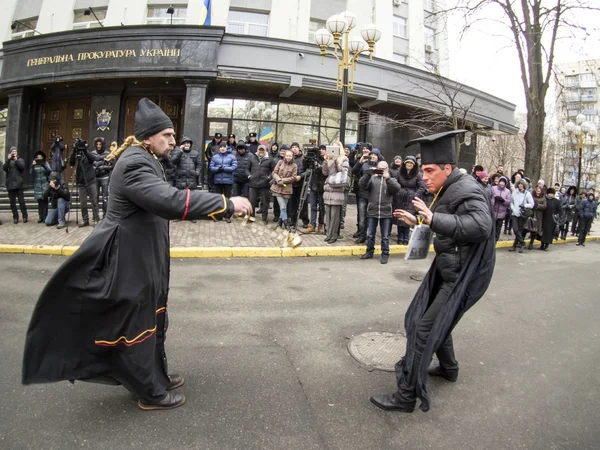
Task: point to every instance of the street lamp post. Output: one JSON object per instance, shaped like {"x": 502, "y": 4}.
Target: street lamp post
{"x": 338, "y": 33}
{"x": 580, "y": 132}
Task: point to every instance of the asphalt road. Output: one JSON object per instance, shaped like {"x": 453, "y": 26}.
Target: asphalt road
{"x": 262, "y": 347}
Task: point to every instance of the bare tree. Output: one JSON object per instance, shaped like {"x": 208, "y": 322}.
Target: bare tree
{"x": 535, "y": 27}
{"x": 446, "y": 107}
{"x": 503, "y": 150}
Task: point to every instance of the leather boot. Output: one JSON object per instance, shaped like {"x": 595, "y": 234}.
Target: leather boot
{"x": 171, "y": 400}
{"x": 175, "y": 381}
{"x": 438, "y": 371}
{"x": 388, "y": 402}
{"x": 309, "y": 229}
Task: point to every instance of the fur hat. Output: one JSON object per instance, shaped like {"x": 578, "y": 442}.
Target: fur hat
{"x": 551, "y": 191}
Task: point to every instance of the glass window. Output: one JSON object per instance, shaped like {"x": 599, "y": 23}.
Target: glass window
{"x": 265, "y": 131}
{"x": 80, "y": 20}
{"x": 588, "y": 77}
{"x": 299, "y": 113}
{"x": 399, "y": 27}
{"x": 244, "y": 22}
{"x": 399, "y": 58}
{"x": 254, "y": 110}
{"x": 157, "y": 14}
{"x": 303, "y": 134}
{"x": 572, "y": 80}
{"x": 220, "y": 108}
{"x": 24, "y": 28}
{"x": 313, "y": 26}
{"x": 429, "y": 38}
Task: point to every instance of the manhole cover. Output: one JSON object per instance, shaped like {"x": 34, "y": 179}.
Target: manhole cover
{"x": 378, "y": 349}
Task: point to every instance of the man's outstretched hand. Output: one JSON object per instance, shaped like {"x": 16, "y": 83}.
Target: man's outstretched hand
{"x": 242, "y": 205}
{"x": 405, "y": 217}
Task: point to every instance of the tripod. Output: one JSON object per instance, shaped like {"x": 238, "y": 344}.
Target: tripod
{"x": 303, "y": 197}
{"x": 75, "y": 189}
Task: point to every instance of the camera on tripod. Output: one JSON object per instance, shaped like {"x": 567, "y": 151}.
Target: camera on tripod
{"x": 79, "y": 146}
{"x": 311, "y": 157}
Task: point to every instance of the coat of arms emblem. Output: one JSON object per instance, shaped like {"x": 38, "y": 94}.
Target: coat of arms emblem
{"x": 103, "y": 119}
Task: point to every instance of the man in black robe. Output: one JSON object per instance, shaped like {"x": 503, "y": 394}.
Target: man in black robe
{"x": 461, "y": 218}
{"x": 102, "y": 317}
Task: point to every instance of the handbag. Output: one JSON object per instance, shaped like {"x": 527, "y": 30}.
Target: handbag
{"x": 530, "y": 224}
{"x": 526, "y": 212}
{"x": 339, "y": 179}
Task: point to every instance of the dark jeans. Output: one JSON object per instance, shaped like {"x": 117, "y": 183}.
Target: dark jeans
{"x": 403, "y": 231}
{"x": 575, "y": 225}
{"x": 584, "y": 229}
{"x": 563, "y": 230}
{"x": 276, "y": 210}
{"x": 224, "y": 189}
{"x": 91, "y": 191}
{"x": 316, "y": 201}
{"x": 445, "y": 353}
{"x": 361, "y": 209}
{"x": 518, "y": 223}
{"x": 508, "y": 222}
{"x": 242, "y": 189}
{"x": 263, "y": 194}
{"x": 499, "y": 228}
{"x": 103, "y": 186}
{"x": 57, "y": 215}
{"x": 385, "y": 225}
{"x": 42, "y": 209}
{"x": 13, "y": 195}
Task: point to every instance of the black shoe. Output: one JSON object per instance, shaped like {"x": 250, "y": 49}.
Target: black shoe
{"x": 228, "y": 220}
{"x": 440, "y": 372}
{"x": 366, "y": 256}
{"x": 25, "y": 219}
{"x": 331, "y": 241}
{"x": 520, "y": 249}
{"x": 172, "y": 400}
{"x": 360, "y": 241}
{"x": 275, "y": 219}
{"x": 530, "y": 247}
{"x": 193, "y": 221}
{"x": 404, "y": 242}
{"x": 341, "y": 226}
{"x": 384, "y": 259}
{"x": 40, "y": 220}
{"x": 84, "y": 224}
{"x": 512, "y": 249}
{"x": 356, "y": 235}
{"x": 389, "y": 403}
{"x": 176, "y": 381}
{"x": 578, "y": 243}
{"x": 16, "y": 221}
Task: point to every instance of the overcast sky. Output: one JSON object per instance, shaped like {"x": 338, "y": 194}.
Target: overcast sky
{"x": 488, "y": 60}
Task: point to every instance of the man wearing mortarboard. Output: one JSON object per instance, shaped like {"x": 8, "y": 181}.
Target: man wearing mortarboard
{"x": 102, "y": 317}
{"x": 460, "y": 216}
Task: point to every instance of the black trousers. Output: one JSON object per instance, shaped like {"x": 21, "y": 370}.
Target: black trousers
{"x": 224, "y": 189}
{"x": 263, "y": 194}
{"x": 584, "y": 229}
{"x": 13, "y": 195}
{"x": 518, "y": 223}
{"x": 276, "y": 209}
{"x": 498, "y": 228}
{"x": 42, "y": 209}
{"x": 445, "y": 353}
{"x": 575, "y": 224}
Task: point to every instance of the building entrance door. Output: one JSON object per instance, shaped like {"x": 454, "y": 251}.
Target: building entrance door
{"x": 172, "y": 107}
{"x": 69, "y": 120}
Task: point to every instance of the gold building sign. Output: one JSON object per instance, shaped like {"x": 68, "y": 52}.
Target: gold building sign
{"x": 103, "y": 54}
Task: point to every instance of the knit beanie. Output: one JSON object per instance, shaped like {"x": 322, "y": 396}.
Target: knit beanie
{"x": 149, "y": 120}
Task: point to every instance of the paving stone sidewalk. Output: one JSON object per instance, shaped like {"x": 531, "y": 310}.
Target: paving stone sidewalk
{"x": 203, "y": 233}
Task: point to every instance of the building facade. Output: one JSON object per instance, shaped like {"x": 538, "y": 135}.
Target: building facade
{"x": 73, "y": 71}
{"x": 577, "y": 92}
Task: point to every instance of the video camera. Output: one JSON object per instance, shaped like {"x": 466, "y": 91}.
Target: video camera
{"x": 311, "y": 157}
{"x": 79, "y": 146}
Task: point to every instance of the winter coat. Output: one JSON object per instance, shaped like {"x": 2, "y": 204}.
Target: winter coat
{"x": 358, "y": 171}
{"x": 568, "y": 204}
{"x": 14, "y": 174}
{"x": 381, "y": 195}
{"x": 40, "y": 172}
{"x": 299, "y": 160}
{"x": 500, "y": 207}
{"x": 102, "y": 167}
{"x": 588, "y": 209}
{"x": 334, "y": 195}
{"x": 52, "y": 195}
{"x": 317, "y": 182}
{"x": 520, "y": 199}
{"x": 260, "y": 171}
{"x": 212, "y": 148}
{"x": 550, "y": 220}
{"x": 461, "y": 217}
{"x": 252, "y": 147}
{"x": 541, "y": 203}
{"x": 86, "y": 174}
{"x": 283, "y": 176}
{"x": 244, "y": 166}
{"x": 223, "y": 165}
{"x": 411, "y": 186}
{"x": 188, "y": 166}
{"x": 58, "y": 162}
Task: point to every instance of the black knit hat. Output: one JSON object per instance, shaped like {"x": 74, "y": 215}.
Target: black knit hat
{"x": 149, "y": 120}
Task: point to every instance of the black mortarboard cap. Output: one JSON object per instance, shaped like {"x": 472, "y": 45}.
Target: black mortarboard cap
{"x": 438, "y": 148}
{"x": 149, "y": 120}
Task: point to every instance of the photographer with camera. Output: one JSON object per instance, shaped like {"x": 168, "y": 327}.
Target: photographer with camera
{"x": 40, "y": 170}
{"x": 58, "y": 157}
{"x": 14, "y": 169}
{"x": 85, "y": 175}
{"x": 364, "y": 165}
{"x": 314, "y": 160}
{"x": 57, "y": 196}
{"x": 103, "y": 169}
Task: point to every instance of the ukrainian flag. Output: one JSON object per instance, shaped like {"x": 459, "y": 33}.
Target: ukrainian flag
{"x": 266, "y": 135}
{"x": 205, "y": 12}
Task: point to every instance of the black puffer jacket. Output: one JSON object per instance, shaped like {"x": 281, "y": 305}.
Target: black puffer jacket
{"x": 359, "y": 170}
{"x": 244, "y": 166}
{"x": 14, "y": 174}
{"x": 86, "y": 174}
{"x": 102, "y": 167}
{"x": 261, "y": 171}
{"x": 411, "y": 186}
{"x": 188, "y": 165}
{"x": 461, "y": 218}
{"x": 317, "y": 182}
{"x": 252, "y": 147}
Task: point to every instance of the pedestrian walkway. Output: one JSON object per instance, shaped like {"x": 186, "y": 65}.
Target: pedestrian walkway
{"x": 201, "y": 239}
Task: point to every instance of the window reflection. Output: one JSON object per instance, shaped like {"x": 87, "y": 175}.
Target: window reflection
{"x": 303, "y": 134}
{"x": 220, "y": 108}
{"x": 299, "y": 114}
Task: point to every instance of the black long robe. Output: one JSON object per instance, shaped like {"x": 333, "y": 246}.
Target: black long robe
{"x": 551, "y": 218}
{"x": 102, "y": 315}
{"x": 461, "y": 194}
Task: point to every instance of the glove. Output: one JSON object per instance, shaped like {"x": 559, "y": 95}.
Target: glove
{"x": 499, "y": 198}
{"x": 221, "y": 169}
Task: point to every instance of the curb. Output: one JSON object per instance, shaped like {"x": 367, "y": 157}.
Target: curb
{"x": 246, "y": 252}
